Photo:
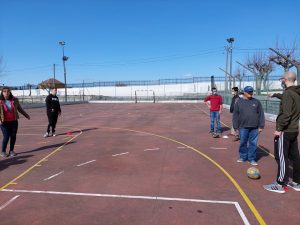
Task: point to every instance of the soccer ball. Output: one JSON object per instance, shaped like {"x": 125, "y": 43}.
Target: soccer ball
{"x": 253, "y": 173}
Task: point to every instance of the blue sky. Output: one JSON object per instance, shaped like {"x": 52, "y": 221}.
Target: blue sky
{"x": 110, "y": 40}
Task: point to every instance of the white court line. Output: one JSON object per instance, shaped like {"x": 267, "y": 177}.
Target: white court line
{"x": 151, "y": 149}
{"x": 217, "y": 148}
{"x": 86, "y": 162}
{"x": 10, "y": 201}
{"x": 182, "y": 147}
{"x": 55, "y": 175}
{"x": 236, "y": 204}
{"x": 242, "y": 214}
{"x": 121, "y": 154}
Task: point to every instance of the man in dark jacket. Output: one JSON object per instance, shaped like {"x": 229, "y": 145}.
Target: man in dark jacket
{"x": 53, "y": 111}
{"x": 286, "y": 136}
{"x": 248, "y": 117}
{"x": 235, "y": 98}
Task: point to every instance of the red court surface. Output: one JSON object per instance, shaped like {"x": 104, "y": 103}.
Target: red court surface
{"x": 152, "y": 164}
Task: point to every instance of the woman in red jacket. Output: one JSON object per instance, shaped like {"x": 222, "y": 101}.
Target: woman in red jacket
{"x": 9, "y": 107}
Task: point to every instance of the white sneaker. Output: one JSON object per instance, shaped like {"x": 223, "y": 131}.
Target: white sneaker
{"x": 53, "y": 134}
{"x": 46, "y": 135}
{"x": 253, "y": 163}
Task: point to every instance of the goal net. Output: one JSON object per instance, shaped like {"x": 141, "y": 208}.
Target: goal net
{"x": 144, "y": 96}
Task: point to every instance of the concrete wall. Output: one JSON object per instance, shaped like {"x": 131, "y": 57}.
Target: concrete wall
{"x": 129, "y": 91}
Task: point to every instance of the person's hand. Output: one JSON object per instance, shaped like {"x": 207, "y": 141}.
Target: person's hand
{"x": 220, "y": 111}
{"x": 270, "y": 95}
{"x": 277, "y": 133}
{"x": 260, "y": 130}
{"x": 52, "y": 110}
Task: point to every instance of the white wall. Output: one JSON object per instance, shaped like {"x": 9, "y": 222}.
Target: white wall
{"x": 128, "y": 91}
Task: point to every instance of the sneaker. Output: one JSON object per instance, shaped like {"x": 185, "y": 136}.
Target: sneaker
{"x": 3, "y": 154}
{"x": 275, "y": 187}
{"x": 53, "y": 134}
{"x": 211, "y": 132}
{"x": 46, "y": 135}
{"x": 216, "y": 135}
{"x": 253, "y": 163}
{"x": 236, "y": 138}
{"x": 294, "y": 185}
{"x": 12, "y": 154}
{"x": 241, "y": 160}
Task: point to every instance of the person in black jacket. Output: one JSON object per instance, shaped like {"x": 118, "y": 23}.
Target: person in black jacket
{"x": 53, "y": 111}
{"x": 235, "y": 98}
{"x": 286, "y": 136}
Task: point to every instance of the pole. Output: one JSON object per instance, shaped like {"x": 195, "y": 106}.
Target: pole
{"x": 83, "y": 90}
{"x": 65, "y": 73}
{"x": 231, "y": 66}
{"x": 226, "y": 72}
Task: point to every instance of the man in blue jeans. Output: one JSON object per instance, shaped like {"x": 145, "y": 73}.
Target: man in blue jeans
{"x": 248, "y": 117}
{"x": 215, "y": 108}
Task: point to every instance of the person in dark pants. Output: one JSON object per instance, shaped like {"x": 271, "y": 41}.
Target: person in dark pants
{"x": 286, "y": 136}
{"x": 249, "y": 118}
{"x": 234, "y": 100}
{"x": 53, "y": 111}
{"x": 9, "y": 108}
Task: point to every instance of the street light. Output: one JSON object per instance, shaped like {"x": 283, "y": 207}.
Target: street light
{"x": 64, "y": 59}
{"x": 230, "y": 41}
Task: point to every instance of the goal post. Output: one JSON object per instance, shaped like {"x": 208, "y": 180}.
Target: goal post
{"x": 144, "y": 96}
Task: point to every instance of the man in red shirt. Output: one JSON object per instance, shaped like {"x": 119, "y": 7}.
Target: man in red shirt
{"x": 215, "y": 107}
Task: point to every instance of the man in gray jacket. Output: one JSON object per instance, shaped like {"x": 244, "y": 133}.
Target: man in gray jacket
{"x": 286, "y": 136}
{"x": 248, "y": 117}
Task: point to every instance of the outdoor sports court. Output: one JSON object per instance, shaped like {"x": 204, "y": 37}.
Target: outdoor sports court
{"x": 152, "y": 164}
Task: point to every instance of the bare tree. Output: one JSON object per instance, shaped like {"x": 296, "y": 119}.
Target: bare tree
{"x": 289, "y": 52}
{"x": 239, "y": 74}
{"x": 260, "y": 66}
{"x": 293, "y": 62}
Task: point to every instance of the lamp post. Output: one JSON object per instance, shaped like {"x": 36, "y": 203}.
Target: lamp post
{"x": 230, "y": 41}
{"x": 64, "y": 59}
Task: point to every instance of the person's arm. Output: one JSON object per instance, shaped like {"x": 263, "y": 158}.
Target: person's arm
{"x": 59, "y": 109}
{"x": 206, "y": 101}
{"x": 21, "y": 110}
{"x": 235, "y": 116}
{"x": 284, "y": 117}
{"x": 232, "y": 105}
{"x": 48, "y": 103}
{"x": 261, "y": 124}
{"x": 276, "y": 95}
{"x": 221, "y": 104}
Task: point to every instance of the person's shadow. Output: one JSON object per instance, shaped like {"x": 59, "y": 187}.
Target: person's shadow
{"x": 225, "y": 129}
{"x": 10, "y": 161}
{"x": 45, "y": 147}
{"x": 261, "y": 152}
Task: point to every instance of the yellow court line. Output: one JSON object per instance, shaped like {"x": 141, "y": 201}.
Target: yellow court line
{"x": 39, "y": 162}
{"x": 234, "y": 182}
{"x": 270, "y": 154}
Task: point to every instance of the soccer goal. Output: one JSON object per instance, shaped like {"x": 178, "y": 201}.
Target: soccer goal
{"x": 144, "y": 96}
